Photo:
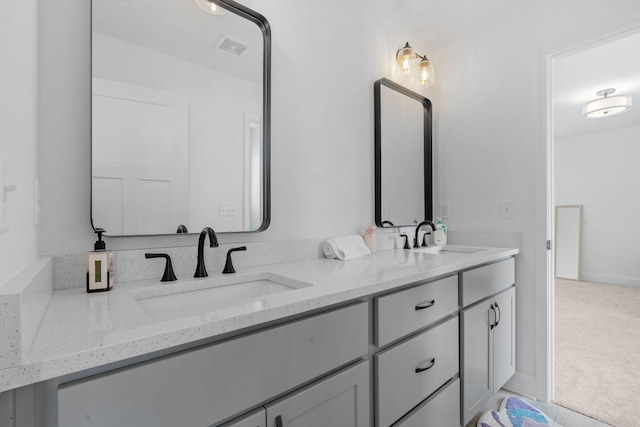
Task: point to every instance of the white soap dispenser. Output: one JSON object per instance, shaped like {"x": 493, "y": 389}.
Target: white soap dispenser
{"x": 440, "y": 238}
{"x": 99, "y": 266}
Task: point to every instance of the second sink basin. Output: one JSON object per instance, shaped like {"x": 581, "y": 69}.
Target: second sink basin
{"x": 207, "y": 295}
{"x": 440, "y": 249}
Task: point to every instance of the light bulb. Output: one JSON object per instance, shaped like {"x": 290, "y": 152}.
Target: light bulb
{"x": 425, "y": 71}
{"x": 211, "y": 7}
{"x": 404, "y": 57}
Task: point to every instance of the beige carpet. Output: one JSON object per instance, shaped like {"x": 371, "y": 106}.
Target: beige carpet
{"x": 597, "y": 351}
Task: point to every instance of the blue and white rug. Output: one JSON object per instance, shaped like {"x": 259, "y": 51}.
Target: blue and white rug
{"x": 515, "y": 412}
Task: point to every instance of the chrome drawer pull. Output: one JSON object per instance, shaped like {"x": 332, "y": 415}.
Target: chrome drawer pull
{"x": 425, "y": 304}
{"x": 430, "y": 364}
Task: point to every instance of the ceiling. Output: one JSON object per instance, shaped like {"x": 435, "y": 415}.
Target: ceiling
{"x": 577, "y": 78}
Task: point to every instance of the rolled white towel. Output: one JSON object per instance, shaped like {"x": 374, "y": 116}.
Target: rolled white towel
{"x": 345, "y": 248}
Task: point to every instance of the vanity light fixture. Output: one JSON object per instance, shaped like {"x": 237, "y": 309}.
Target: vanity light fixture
{"x": 607, "y": 105}
{"x": 406, "y": 55}
{"x": 211, "y": 7}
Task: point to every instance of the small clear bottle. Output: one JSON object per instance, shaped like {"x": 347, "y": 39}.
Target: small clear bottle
{"x": 370, "y": 238}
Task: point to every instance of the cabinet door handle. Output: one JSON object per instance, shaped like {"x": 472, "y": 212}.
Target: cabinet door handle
{"x": 425, "y": 304}
{"x": 429, "y": 364}
{"x": 495, "y": 316}
{"x": 279, "y": 421}
{"x": 499, "y": 315}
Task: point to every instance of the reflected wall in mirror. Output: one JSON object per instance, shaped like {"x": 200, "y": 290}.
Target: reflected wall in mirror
{"x": 180, "y": 117}
{"x": 403, "y": 158}
{"x": 568, "y": 251}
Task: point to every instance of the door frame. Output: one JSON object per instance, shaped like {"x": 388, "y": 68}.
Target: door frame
{"x": 544, "y": 189}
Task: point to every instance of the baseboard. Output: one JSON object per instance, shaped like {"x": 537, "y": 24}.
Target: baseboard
{"x": 523, "y": 384}
{"x": 610, "y": 279}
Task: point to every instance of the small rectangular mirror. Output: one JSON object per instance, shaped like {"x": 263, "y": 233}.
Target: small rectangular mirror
{"x": 403, "y": 157}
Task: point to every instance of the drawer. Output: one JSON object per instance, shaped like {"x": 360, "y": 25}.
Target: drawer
{"x": 403, "y": 312}
{"x": 257, "y": 418}
{"x": 442, "y": 410}
{"x": 210, "y": 384}
{"x": 400, "y": 387}
{"x": 488, "y": 280}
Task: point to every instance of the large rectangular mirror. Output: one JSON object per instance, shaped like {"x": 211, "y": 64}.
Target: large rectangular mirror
{"x": 403, "y": 158}
{"x": 568, "y": 253}
{"x": 180, "y": 117}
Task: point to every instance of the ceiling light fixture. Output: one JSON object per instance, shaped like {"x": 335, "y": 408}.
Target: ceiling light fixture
{"x": 211, "y": 7}
{"x": 607, "y": 105}
{"x": 405, "y": 57}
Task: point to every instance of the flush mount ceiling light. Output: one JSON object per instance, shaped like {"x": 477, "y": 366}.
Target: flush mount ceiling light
{"x": 405, "y": 58}
{"x": 211, "y": 7}
{"x": 607, "y": 105}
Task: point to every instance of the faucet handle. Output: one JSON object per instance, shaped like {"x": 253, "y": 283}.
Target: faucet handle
{"x": 406, "y": 241}
{"x": 424, "y": 239}
{"x": 168, "y": 275}
{"x": 228, "y": 266}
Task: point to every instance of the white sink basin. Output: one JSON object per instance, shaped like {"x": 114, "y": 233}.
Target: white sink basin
{"x": 207, "y": 295}
{"x": 442, "y": 249}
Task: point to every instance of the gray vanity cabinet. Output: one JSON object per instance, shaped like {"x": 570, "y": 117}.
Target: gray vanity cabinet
{"x": 341, "y": 400}
{"x": 487, "y": 334}
{"x": 416, "y": 369}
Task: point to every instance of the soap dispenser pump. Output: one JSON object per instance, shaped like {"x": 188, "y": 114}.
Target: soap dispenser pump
{"x": 99, "y": 266}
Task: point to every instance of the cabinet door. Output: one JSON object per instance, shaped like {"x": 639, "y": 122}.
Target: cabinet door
{"x": 477, "y": 357}
{"x": 341, "y": 400}
{"x": 504, "y": 338}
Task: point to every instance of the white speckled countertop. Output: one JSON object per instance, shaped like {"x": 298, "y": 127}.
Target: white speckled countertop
{"x": 81, "y": 331}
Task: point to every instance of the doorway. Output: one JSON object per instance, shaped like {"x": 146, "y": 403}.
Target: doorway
{"x": 597, "y": 300}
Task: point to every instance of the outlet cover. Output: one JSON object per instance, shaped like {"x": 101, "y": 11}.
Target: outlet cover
{"x": 227, "y": 209}
{"x": 444, "y": 210}
{"x": 506, "y": 209}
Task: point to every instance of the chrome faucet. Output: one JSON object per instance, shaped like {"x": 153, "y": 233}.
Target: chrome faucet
{"x": 201, "y": 271}
{"x": 415, "y": 239}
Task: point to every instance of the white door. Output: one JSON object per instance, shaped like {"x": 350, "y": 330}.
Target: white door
{"x": 504, "y": 338}
{"x": 140, "y": 159}
{"x": 477, "y": 359}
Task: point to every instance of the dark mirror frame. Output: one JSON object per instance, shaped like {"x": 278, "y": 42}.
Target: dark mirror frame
{"x": 428, "y": 155}
{"x": 265, "y": 28}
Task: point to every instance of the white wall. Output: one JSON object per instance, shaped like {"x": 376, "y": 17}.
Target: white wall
{"x": 600, "y": 171}
{"x": 18, "y": 37}
{"x": 490, "y": 140}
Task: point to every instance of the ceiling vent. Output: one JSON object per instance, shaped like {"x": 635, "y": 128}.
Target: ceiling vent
{"x": 232, "y": 46}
